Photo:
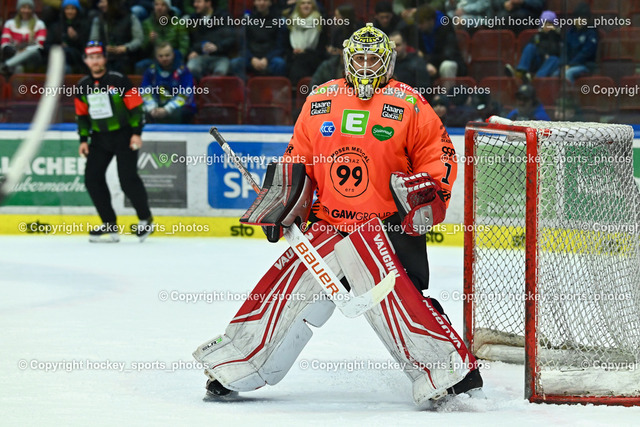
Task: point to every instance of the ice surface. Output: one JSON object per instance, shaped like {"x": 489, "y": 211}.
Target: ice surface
{"x": 66, "y": 300}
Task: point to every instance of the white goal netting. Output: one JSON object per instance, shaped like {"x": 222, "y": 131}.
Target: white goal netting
{"x": 587, "y": 251}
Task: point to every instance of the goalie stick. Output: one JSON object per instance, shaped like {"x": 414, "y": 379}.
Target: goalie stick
{"x": 350, "y": 305}
{"x": 43, "y": 116}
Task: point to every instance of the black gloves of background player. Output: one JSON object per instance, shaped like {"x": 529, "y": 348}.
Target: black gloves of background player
{"x": 285, "y": 199}
{"x": 419, "y": 201}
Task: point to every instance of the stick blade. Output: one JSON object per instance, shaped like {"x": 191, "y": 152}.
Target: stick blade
{"x": 358, "y": 305}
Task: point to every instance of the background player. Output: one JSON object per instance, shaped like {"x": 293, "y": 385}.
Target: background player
{"x": 382, "y": 165}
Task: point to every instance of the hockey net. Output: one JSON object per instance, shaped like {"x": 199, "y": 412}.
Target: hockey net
{"x": 552, "y": 257}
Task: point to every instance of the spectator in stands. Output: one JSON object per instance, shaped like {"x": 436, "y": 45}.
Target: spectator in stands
{"x": 458, "y": 107}
{"x": 305, "y": 29}
{"x": 528, "y": 107}
{"x": 167, "y": 88}
{"x": 22, "y": 40}
{"x": 437, "y": 43}
{"x": 211, "y": 41}
{"x": 462, "y": 107}
{"x": 159, "y": 28}
{"x": 142, "y": 9}
{"x": 283, "y": 7}
{"x": 71, "y": 31}
{"x": 410, "y": 67}
{"x": 51, "y": 10}
{"x": 120, "y": 31}
{"x": 440, "y": 105}
{"x": 580, "y": 45}
{"x": 329, "y": 69}
{"x": 265, "y": 45}
{"x": 384, "y": 18}
{"x": 185, "y": 7}
{"x": 517, "y": 13}
{"x": 406, "y": 9}
{"x": 346, "y": 24}
{"x": 471, "y": 11}
{"x": 542, "y": 54}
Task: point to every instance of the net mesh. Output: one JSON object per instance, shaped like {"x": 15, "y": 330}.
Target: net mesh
{"x": 588, "y": 251}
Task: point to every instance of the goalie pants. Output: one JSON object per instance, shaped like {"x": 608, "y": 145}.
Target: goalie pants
{"x": 104, "y": 146}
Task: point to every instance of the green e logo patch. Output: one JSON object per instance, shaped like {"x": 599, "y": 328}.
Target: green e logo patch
{"x": 354, "y": 122}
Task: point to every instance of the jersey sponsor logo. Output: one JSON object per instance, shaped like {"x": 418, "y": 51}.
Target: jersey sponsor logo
{"x": 357, "y": 215}
{"x": 354, "y": 122}
{"x": 392, "y": 112}
{"x": 444, "y": 195}
{"x": 448, "y": 151}
{"x": 349, "y": 171}
{"x": 327, "y": 128}
{"x": 382, "y": 133}
{"x": 320, "y": 107}
{"x": 332, "y": 89}
{"x": 444, "y": 138}
{"x": 289, "y": 149}
{"x": 417, "y": 95}
{"x": 394, "y": 91}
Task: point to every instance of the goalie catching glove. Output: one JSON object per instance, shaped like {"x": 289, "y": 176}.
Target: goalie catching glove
{"x": 285, "y": 199}
{"x": 419, "y": 200}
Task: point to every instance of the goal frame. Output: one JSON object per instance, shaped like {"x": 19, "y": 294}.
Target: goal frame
{"x": 531, "y": 371}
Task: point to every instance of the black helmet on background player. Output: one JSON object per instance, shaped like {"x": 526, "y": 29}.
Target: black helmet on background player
{"x": 379, "y": 58}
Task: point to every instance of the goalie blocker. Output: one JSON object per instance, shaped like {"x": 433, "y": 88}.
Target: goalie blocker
{"x": 272, "y": 327}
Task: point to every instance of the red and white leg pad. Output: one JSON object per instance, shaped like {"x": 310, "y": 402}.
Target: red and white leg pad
{"x": 417, "y": 336}
{"x": 270, "y": 330}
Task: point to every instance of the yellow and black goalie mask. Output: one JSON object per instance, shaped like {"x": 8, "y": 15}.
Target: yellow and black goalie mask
{"x": 369, "y": 58}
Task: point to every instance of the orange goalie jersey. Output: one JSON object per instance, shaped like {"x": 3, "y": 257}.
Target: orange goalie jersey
{"x": 351, "y": 147}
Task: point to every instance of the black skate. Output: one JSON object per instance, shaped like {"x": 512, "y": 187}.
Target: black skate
{"x": 143, "y": 228}
{"x": 107, "y": 233}
{"x": 216, "y": 391}
{"x": 471, "y": 385}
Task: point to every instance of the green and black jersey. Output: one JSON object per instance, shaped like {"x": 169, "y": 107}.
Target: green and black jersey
{"x": 107, "y": 104}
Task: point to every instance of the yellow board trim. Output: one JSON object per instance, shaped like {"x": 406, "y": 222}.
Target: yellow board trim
{"x": 166, "y": 226}
{"x": 169, "y": 226}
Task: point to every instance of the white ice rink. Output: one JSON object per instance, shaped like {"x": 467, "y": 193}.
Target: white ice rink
{"x": 66, "y": 300}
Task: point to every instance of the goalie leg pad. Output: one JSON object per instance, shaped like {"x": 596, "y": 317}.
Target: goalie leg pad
{"x": 415, "y": 333}
{"x": 271, "y": 328}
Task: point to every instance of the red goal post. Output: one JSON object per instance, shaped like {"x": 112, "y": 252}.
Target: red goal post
{"x": 552, "y": 257}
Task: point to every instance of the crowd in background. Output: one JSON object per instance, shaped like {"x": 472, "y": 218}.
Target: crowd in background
{"x": 172, "y": 43}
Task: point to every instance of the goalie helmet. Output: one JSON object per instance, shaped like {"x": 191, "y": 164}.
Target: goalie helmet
{"x": 369, "y": 58}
